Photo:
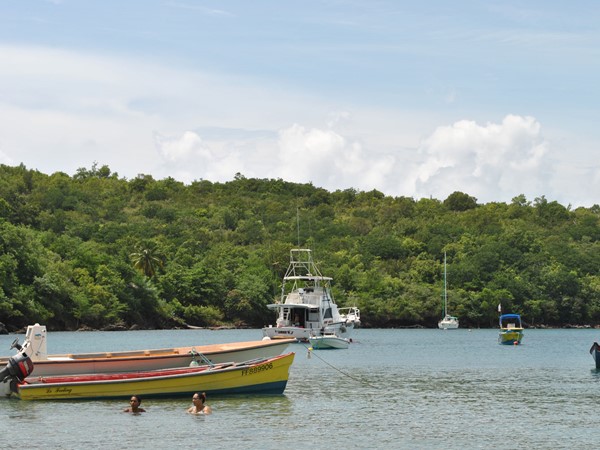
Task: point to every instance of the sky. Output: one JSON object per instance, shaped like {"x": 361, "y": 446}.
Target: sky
{"x": 495, "y": 99}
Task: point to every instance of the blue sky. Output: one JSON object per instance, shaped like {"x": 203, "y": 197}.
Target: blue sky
{"x": 418, "y": 99}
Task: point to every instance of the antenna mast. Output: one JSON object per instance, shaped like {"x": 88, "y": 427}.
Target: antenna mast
{"x": 445, "y": 289}
{"x": 298, "y": 225}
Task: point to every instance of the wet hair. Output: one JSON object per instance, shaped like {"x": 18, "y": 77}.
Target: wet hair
{"x": 139, "y": 399}
{"x": 201, "y": 396}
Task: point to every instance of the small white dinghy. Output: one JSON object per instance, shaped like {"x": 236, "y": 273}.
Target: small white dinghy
{"x": 328, "y": 341}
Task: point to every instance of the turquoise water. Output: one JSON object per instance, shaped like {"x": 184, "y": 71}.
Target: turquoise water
{"x": 390, "y": 389}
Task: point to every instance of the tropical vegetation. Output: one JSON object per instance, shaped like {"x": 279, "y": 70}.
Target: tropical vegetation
{"x": 95, "y": 250}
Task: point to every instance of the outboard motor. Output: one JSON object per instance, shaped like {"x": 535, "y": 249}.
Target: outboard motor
{"x": 18, "y": 368}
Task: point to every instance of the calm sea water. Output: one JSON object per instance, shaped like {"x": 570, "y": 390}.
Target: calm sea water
{"x": 391, "y": 389}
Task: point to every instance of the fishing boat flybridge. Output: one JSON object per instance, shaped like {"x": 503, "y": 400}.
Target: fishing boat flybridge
{"x": 306, "y": 307}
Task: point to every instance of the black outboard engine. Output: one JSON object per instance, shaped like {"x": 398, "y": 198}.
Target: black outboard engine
{"x": 18, "y": 368}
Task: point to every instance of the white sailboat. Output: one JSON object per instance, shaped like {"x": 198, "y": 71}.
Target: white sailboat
{"x": 448, "y": 322}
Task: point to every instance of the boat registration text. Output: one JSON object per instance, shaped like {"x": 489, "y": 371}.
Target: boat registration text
{"x": 256, "y": 369}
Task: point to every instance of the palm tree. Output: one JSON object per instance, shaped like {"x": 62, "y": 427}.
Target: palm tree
{"x": 146, "y": 260}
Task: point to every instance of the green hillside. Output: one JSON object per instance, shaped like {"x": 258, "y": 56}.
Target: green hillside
{"x": 95, "y": 250}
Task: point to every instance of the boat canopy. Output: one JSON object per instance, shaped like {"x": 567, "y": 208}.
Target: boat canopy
{"x": 510, "y": 321}
{"x": 510, "y": 316}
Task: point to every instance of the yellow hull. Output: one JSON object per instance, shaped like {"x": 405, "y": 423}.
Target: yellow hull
{"x": 512, "y": 336}
{"x": 268, "y": 376}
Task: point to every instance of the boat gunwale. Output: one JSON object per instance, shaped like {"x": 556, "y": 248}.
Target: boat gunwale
{"x": 155, "y": 354}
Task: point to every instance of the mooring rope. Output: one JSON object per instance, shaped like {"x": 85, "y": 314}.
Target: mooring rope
{"x": 310, "y": 353}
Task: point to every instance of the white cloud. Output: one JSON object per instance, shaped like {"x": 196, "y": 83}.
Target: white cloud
{"x": 329, "y": 160}
{"x": 492, "y": 162}
{"x": 60, "y": 111}
{"x": 296, "y": 154}
{"x": 188, "y": 146}
{"x": 4, "y": 159}
{"x": 189, "y": 157}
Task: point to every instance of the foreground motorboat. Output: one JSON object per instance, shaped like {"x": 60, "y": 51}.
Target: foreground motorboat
{"x": 306, "y": 307}
{"x": 35, "y": 347}
{"x": 259, "y": 376}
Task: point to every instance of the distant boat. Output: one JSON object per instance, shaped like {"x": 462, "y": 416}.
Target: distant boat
{"x": 595, "y": 352}
{"x": 260, "y": 376}
{"x": 328, "y": 341}
{"x": 306, "y": 307}
{"x": 448, "y": 322}
{"x": 350, "y": 314}
{"x": 511, "y": 329}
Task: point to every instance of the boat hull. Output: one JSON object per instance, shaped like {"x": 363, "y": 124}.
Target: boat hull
{"x": 266, "y": 376}
{"x": 324, "y": 343}
{"x": 448, "y": 323}
{"x": 510, "y": 337}
{"x": 341, "y": 329}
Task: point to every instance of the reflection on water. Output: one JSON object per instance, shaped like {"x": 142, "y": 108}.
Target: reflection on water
{"x": 390, "y": 389}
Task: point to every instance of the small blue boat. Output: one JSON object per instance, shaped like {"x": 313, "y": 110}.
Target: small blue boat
{"x": 511, "y": 329}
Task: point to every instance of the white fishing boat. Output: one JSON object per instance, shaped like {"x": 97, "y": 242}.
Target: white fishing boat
{"x": 306, "y": 307}
{"x": 328, "y": 341}
{"x": 350, "y": 314}
{"x": 35, "y": 347}
{"x": 448, "y": 322}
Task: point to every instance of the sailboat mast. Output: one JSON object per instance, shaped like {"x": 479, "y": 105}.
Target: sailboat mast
{"x": 445, "y": 289}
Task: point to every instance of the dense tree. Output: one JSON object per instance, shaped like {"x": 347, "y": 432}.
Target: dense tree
{"x": 146, "y": 260}
{"x": 459, "y": 201}
{"x": 96, "y": 250}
